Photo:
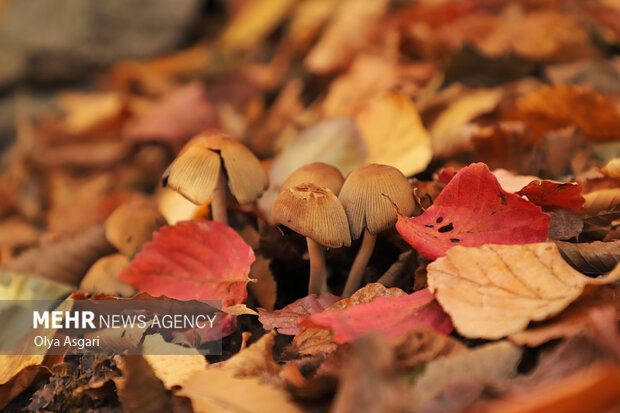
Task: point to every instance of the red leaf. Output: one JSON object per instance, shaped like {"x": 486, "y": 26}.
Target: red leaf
{"x": 547, "y": 193}
{"x": 193, "y": 261}
{"x": 473, "y": 210}
{"x": 287, "y": 319}
{"x": 388, "y": 316}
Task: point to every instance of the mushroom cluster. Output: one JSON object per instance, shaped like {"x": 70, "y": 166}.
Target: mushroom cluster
{"x": 207, "y": 163}
{"x": 316, "y": 202}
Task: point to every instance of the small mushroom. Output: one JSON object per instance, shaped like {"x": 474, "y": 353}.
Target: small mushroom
{"x": 315, "y": 213}
{"x": 131, "y": 225}
{"x": 318, "y": 173}
{"x": 368, "y": 196}
{"x": 204, "y": 166}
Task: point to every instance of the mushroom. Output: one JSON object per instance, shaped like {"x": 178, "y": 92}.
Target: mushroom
{"x": 318, "y": 173}
{"x": 315, "y": 213}
{"x": 204, "y": 166}
{"x": 369, "y": 196}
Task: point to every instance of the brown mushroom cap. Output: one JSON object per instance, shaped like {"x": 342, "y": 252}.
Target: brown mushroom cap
{"x": 194, "y": 172}
{"x": 362, "y": 197}
{"x": 131, "y": 225}
{"x": 313, "y": 212}
{"x": 318, "y": 173}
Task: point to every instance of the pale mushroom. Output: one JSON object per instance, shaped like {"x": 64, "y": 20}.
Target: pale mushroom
{"x": 315, "y": 213}
{"x": 206, "y": 163}
{"x": 317, "y": 173}
{"x": 371, "y": 194}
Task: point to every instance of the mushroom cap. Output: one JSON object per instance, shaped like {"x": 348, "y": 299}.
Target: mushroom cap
{"x": 194, "y": 172}
{"x": 362, "y": 197}
{"x": 131, "y": 225}
{"x": 318, "y": 173}
{"x": 313, "y": 212}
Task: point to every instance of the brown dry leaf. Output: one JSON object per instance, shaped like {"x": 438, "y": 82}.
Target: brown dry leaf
{"x": 451, "y": 130}
{"x": 559, "y": 106}
{"x": 316, "y": 341}
{"x": 139, "y": 389}
{"x": 255, "y": 360}
{"x": 421, "y": 345}
{"x": 612, "y": 168}
{"x": 489, "y": 362}
{"x": 574, "y": 320}
{"x": 602, "y": 200}
{"x": 65, "y": 260}
{"x": 172, "y": 364}
{"x": 394, "y": 134}
{"x": 264, "y": 289}
{"x": 17, "y": 373}
{"x": 101, "y": 277}
{"x": 91, "y": 112}
{"x": 370, "y": 381}
{"x": 253, "y": 22}
{"x": 337, "y": 46}
{"x": 564, "y": 224}
{"x": 308, "y": 18}
{"x": 593, "y": 258}
{"x": 495, "y": 290}
{"x": 16, "y": 232}
{"x": 217, "y": 390}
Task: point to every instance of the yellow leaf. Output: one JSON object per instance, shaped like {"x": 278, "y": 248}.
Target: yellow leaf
{"x": 219, "y": 391}
{"x": 602, "y": 200}
{"x": 255, "y": 360}
{"x": 495, "y": 290}
{"x": 394, "y": 134}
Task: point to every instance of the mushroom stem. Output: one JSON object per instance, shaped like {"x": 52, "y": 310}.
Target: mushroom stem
{"x": 218, "y": 201}
{"x": 359, "y": 264}
{"x": 317, "y": 267}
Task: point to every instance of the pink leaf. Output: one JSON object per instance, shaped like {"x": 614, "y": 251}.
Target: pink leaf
{"x": 388, "y": 316}
{"x": 287, "y": 319}
{"x": 473, "y": 210}
{"x": 194, "y": 261}
{"x": 555, "y": 194}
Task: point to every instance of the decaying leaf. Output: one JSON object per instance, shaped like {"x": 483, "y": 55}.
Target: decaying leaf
{"x": 218, "y": 390}
{"x": 495, "y": 290}
{"x": 553, "y": 194}
{"x": 421, "y": 345}
{"x": 387, "y": 316}
{"x": 394, "y": 134}
{"x": 139, "y": 389}
{"x": 101, "y": 277}
{"x": 603, "y": 200}
{"x": 564, "y": 224}
{"x": 286, "y": 320}
{"x": 255, "y": 360}
{"x": 473, "y": 210}
{"x": 593, "y": 258}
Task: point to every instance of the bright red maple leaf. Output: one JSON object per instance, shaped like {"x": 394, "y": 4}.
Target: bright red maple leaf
{"x": 194, "y": 261}
{"x": 474, "y": 210}
{"x": 287, "y": 319}
{"x": 388, "y": 316}
{"x": 555, "y": 194}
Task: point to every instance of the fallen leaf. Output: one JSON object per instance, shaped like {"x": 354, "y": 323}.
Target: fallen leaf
{"x": 473, "y": 210}
{"x": 553, "y": 194}
{"x": 370, "y": 381}
{"x": 491, "y": 361}
{"x": 495, "y": 290}
{"x": 510, "y": 182}
{"x": 317, "y": 340}
{"x": 336, "y": 47}
{"x": 101, "y": 277}
{"x": 91, "y": 112}
{"x": 286, "y": 320}
{"x": 394, "y": 134}
{"x": 255, "y": 360}
{"x": 264, "y": 289}
{"x": 574, "y": 320}
{"x": 594, "y": 258}
{"x": 218, "y": 390}
{"x": 558, "y": 106}
{"x": 421, "y": 345}
{"x": 183, "y": 113}
{"x": 612, "y": 168}
{"x": 387, "y": 316}
{"x": 17, "y": 373}
{"x": 564, "y": 224}
{"x": 171, "y": 363}
{"x": 14, "y": 286}
{"x": 65, "y": 260}
{"x": 603, "y": 200}
{"x": 139, "y": 389}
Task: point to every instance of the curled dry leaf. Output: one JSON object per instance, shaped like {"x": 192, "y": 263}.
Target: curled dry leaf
{"x": 265, "y": 287}
{"x": 603, "y": 200}
{"x": 139, "y": 389}
{"x": 286, "y": 320}
{"x": 592, "y": 258}
{"x": 387, "y": 316}
{"x": 255, "y": 360}
{"x": 553, "y": 194}
{"x": 218, "y": 390}
{"x": 421, "y": 345}
{"x": 495, "y": 290}
{"x": 394, "y": 134}
{"x": 473, "y": 210}
{"x": 101, "y": 277}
